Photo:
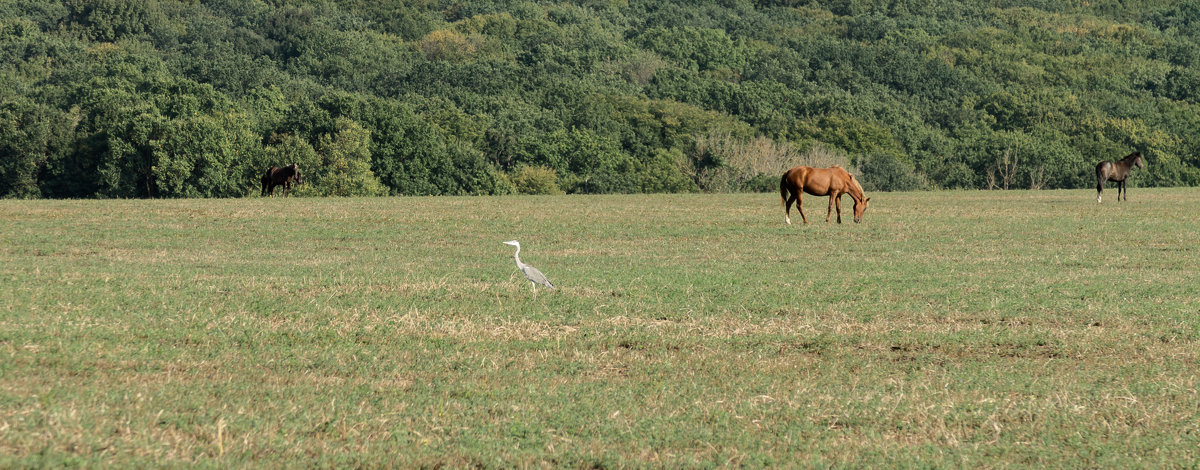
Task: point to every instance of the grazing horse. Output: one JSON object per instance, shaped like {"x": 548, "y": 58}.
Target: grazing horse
{"x": 276, "y": 176}
{"x": 832, "y": 182}
{"x": 1117, "y": 171}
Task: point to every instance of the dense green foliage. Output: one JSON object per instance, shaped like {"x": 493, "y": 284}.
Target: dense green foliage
{"x": 159, "y": 98}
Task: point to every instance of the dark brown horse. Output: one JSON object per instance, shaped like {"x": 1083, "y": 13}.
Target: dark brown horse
{"x": 1117, "y": 171}
{"x": 832, "y": 182}
{"x": 276, "y": 176}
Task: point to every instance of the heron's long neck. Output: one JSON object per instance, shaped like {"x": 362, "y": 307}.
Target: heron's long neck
{"x": 517, "y": 255}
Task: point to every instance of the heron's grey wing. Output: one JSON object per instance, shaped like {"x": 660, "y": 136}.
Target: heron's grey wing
{"x": 536, "y": 276}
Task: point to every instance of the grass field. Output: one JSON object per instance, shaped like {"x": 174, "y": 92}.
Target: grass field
{"x": 994, "y": 329}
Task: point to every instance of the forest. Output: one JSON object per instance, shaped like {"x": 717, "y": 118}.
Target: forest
{"x": 189, "y": 98}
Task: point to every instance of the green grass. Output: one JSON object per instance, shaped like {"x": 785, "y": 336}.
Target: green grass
{"x": 949, "y": 329}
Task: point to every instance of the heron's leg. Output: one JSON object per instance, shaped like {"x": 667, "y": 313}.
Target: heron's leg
{"x": 533, "y": 286}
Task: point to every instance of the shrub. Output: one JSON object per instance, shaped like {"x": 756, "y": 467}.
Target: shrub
{"x": 888, "y": 172}
{"x": 345, "y": 168}
{"x": 728, "y": 164}
{"x": 535, "y": 180}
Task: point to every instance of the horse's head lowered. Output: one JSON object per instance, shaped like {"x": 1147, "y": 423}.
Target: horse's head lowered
{"x": 859, "y": 208}
{"x": 860, "y": 199}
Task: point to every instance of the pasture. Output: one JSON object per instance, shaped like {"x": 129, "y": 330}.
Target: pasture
{"x": 995, "y": 329}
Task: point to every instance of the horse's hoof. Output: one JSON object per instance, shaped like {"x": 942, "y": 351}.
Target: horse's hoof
{"x": 789, "y": 220}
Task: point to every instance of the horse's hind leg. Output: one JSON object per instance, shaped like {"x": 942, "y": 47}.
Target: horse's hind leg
{"x": 1121, "y": 190}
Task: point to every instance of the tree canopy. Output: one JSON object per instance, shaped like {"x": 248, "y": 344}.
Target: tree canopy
{"x": 164, "y": 98}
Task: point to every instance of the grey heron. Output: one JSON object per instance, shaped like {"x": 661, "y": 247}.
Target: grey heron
{"x": 535, "y": 277}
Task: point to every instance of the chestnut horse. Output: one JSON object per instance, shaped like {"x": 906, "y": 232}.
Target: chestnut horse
{"x": 276, "y": 176}
{"x": 832, "y": 182}
{"x": 1117, "y": 171}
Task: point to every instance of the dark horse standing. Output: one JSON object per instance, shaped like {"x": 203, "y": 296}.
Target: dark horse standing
{"x": 1117, "y": 171}
{"x": 276, "y": 176}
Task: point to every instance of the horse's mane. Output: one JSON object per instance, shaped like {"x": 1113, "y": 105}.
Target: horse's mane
{"x": 853, "y": 180}
{"x": 857, "y": 187}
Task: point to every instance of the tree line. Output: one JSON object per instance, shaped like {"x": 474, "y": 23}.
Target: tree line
{"x": 164, "y": 98}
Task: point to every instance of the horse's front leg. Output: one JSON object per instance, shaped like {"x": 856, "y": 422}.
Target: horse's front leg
{"x": 800, "y": 206}
{"x": 829, "y": 212}
{"x": 1124, "y": 191}
{"x": 838, "y": 204}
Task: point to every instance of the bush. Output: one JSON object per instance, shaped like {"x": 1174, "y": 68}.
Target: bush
{"x": 345, "y": 168}
{"x": 735, "y": 165}
{"x": 535, "y": 180}
{"x": 666, "y": 171}
{"x": 887, "y": 172}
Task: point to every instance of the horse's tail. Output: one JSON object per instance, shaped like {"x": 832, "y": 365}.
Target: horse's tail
{"x": 1102, "y": 169}
{"x": 784, "y": 193}
{"x": 783, "y": 190}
